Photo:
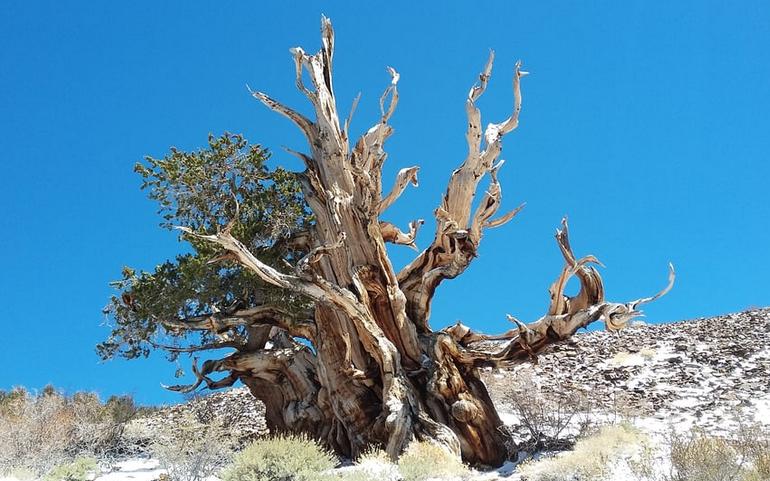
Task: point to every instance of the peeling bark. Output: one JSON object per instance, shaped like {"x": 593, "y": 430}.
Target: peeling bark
{"x": 377, "y": 374}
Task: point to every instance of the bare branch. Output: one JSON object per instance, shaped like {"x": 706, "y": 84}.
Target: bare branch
{"x": 346, "y": 128}
{"x": 306, "y": 159}
{"x": 489, "y": 206}
{"x": 202, "y": 347}
{"x": 591, "y": 284}
{"x": 502, "y": 220}
{"x": 565, "y": 316}
{"x": 304, "y": 124}
{"x": 473, "y": 134}
{"x": 671, "y": 278}
{"x": 311, "y": 258}
{"x": 201, "y": 375}
{"x": 404, "y": 177}
{"x": 298, "y": 325}
{"x": 244, "y": 256}
{"x": 495, "y": 131}
{"x": 393, "y": 91}
{"x": 391, "y": 233}
{"x": 299, "y": 59}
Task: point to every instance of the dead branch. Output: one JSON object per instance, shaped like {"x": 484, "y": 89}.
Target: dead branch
{"x": 391, "y": 233}
{"x": 403, "y": 178}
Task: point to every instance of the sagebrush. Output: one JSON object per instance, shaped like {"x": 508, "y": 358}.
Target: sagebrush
{"x": 281, "y": 458}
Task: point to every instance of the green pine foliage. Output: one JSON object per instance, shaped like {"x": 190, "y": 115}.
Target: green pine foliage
{"x": 228, "y": 183}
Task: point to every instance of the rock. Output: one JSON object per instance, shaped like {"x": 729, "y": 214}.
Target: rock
{"x": 702, "y": 370}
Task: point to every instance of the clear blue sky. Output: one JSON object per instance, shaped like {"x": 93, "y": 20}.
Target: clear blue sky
{"x": 646, "y": 122}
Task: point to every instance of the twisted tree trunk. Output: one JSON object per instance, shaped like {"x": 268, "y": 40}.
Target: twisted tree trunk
{"x": 370, "y": 370}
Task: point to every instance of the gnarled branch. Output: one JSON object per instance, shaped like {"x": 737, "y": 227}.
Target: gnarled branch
{"x": 403, "y": 178}
{"x": 565, "y": 316}
{"x": 391, "y": 233}
{"x": 458, "y": 233}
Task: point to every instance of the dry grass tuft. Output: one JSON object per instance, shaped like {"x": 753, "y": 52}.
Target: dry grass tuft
{"x": 423, "y": 461}
{"x": 593, "y": 457}
{"x": 698, "y": 456}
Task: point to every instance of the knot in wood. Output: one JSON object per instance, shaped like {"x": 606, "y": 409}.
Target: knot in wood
{"x": 464, "y": 411}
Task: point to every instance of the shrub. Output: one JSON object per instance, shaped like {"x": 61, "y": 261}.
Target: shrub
{"x": 549, "y": 418}
{"x": 424, "y": 460}
{"x": 191, "y": 450}
{"x": 81, "y": 469}
{"x": 754, "y": 445}
{"x": 625, "y": 358}
{"x": 699, "y": 457}
{"x": 99, "y": 427}
{"x": 35, "y": 432}
{"x": 281, "y": 458}
{"x": 745, "y": 456}
{"x": 20, "y": 474}
{"x": 39, "y": 432}
{"x": 373, "y": 464}
{"x": 594, "y": 457}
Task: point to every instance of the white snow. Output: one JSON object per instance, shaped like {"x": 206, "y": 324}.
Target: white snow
{"x": 136, "y": 469}
{"x": 762, "y": 413}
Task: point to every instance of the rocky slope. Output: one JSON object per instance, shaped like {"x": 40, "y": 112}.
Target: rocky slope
{"x": 706, "y": 372}
{"x": 235, "y": 409}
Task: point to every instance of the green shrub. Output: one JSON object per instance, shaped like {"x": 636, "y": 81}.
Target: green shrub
{"x": 78, "y": 470}
{"x": 281, "y": 458}
{"x": 424, "y": 460}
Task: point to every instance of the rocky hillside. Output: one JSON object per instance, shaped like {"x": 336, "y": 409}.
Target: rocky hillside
{"x": 235, "y": 409}
{"x": 705, "y": 372}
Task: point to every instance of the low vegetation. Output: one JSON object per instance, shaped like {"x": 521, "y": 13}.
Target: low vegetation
{"x": 40, "y": 432}
{"x": 423, "y": 461}
{"x": 553, "y": 420}
{"x": 697, "y": 456}
{"x": 192, "y": 450}
{"x": 373, "y": 464}
{"x": 595, "y": 457}
{"x": 281, "y": 458}
{"x": 51, "y": 436}
{"x": 78, "y": 470}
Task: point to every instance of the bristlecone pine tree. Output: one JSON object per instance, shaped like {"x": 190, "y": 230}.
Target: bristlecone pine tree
{"x": 290, "y": 273}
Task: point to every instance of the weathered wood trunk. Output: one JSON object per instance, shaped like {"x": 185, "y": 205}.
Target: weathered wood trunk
{"x": 376, "y": 373}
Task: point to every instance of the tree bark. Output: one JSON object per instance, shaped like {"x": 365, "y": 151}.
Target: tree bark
{"x": 376, "y": 373}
